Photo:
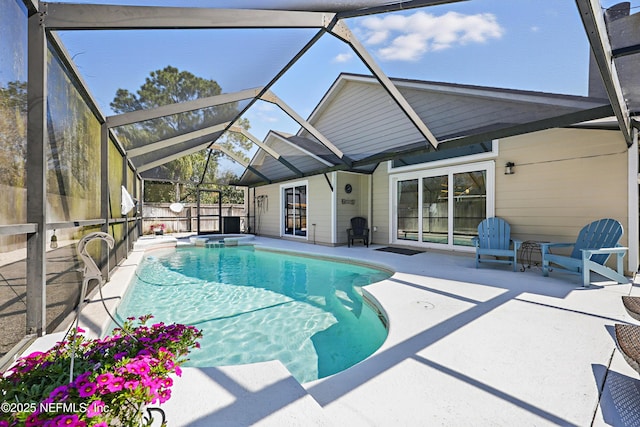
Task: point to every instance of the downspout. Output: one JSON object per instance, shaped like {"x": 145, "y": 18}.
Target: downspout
{"x": 247, "y": 202}
{"x": 254, "y": 211}
{"x": 334, "y": 209}
{"x": 370, "y": 207}
{"x": 633, "y": 204}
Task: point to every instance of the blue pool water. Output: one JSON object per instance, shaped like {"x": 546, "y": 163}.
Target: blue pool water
{"x": 256, "y": 305}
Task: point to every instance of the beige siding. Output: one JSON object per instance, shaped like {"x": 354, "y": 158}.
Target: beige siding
{"x": 267, "y": 218}
{"x": 349, "y": 205}
{"x": 380, "y": 205}
{"x": 564, "y": 179}
{"x": 364, "y": 115}
{"x": 319, "y": 209}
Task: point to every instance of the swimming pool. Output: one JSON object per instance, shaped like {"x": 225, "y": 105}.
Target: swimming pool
{"x": 258, "y": 305}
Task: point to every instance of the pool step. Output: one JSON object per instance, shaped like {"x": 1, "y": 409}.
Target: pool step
{"x": 214, "y": 244}
{"x": 262, "y": 393}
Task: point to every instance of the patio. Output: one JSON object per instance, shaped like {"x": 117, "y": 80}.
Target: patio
{"x": 466, "y": 346}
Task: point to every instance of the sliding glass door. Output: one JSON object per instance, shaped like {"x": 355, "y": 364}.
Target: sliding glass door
{"x": 435, "y": 209}
{"x": 469, "y": 205}
{"x": 407, "y": 211}
{"x": 442, "y": 207}
{"x": 295, "y": 210}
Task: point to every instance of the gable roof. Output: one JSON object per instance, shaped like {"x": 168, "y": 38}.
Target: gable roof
{"x": 360, "y": 118}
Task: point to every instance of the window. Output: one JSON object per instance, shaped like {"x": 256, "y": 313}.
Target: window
{"x": 442, "y": 207}
{"x": 408, "y": 210}
{"x": 295, "y": 210}
{"x": 445, "y": 154}
{"x": 435, "y": 209}
{"x": 469, "y": 205}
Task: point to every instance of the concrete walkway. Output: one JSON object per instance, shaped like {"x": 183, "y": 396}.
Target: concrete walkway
{"x": 466, "y": 346}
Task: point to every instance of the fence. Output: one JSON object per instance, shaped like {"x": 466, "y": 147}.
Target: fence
{"x": 157, "y": 216}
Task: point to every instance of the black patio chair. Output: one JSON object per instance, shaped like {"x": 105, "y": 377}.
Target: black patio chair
{"x": 358, "y": 231}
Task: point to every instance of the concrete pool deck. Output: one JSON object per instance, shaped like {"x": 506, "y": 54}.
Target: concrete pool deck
{"x": 466, "y": 346}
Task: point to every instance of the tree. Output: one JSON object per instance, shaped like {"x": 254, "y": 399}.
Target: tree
{"x": 170, "y": 86}
{"x": 13, "y": 134}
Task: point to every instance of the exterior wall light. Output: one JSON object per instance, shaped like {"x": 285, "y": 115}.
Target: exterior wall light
{"x": 54, "y": 240}
{"x": 509, "y": 168}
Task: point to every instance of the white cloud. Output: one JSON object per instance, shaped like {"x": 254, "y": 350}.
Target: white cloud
{"x": 409, "y": 37}
{"x": 267, "y": 118}
{"x": 265, "y": 107}
{"x": 264, "y": 112}
{"x": 342, "y": 57}
{"x": 535, "y": 29}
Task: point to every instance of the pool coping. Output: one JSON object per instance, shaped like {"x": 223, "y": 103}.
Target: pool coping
{"x": 438, "y": 306}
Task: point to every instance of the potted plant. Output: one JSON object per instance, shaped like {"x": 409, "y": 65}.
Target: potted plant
{"x": 97, "y": 382}
{"x": 158, "y": 229}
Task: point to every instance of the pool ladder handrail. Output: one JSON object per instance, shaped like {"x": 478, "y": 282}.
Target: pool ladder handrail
{"x": 89, "y": 272}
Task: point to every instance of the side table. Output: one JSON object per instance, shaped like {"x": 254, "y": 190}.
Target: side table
{"x": 527, "y": 248}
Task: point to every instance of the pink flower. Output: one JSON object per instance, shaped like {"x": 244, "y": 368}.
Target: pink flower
{"x": 164, "y": 395}
{"x": 130, "y": 367}
{"x": 95, "y": 408}
{"x": 116, "y": 385}
{"x": 145, "y": 318}
{"x": 144, "y": 352}
{"x": 32, "y": 421}
{"x": 69, "y": 420}
{"x": 104, "y": 379}
{"x": 60, "y": 393}
{"x": 82, "y": 378}
{"x": 151, "y": 383}
{"x": 140, "y": 367}
{"x": 131, "y": 385}
{"x": 35, "y": 355}
{"x": 87, "y": 389}
{"x": 113, "y": 373}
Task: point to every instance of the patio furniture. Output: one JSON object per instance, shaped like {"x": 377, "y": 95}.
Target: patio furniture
{"x": 358, "y": 231}
{"x": 593, "y": 247}
{"x": 527, "y": 249}
{"x": 628, "y": 341}
{"x": 494, "y": 240}
{"x": 632, "y": 305}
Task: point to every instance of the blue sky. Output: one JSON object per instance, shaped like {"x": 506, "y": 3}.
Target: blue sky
{"x": 535, "y": 45}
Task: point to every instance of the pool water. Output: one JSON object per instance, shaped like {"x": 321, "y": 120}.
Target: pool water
{"x": 257, "y": 305}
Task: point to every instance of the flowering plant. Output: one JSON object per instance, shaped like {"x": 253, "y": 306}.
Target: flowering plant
{"x": 112, "y": 379}
{"x": 158, "y": 227}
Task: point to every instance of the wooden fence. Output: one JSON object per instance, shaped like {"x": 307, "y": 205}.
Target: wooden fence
{"x": 157, "y": 216}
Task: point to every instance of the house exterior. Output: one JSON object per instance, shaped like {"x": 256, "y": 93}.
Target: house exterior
{"x": 571, "y": 165}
